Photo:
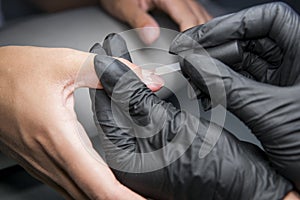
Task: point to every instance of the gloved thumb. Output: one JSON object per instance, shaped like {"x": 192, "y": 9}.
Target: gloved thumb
{"x": 208, "y": 75}
{"x": 247, "y": 99}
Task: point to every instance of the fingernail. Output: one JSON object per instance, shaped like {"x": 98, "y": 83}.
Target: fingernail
{"x": 149, "y": 34}
{"x": 153, "y": 81}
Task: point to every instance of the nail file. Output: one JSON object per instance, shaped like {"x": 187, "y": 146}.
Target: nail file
{"x": 229, "y": 53}
{"x": 167, "y": 69}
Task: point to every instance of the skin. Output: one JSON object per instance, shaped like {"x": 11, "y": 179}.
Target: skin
{"x": 37, "y": 89}
{"x": 186, "y": 13}
{"x": 39, "y": 127}
{"x": 292, "y": 196}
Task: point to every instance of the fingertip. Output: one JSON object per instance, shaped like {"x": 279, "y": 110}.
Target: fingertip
{"x": 149, "y": 34}
{"x": 97, "y": 49}
{"x": 115, "y": 45}
{"x": 154, "y": 87}
{"x": 153, "y": 82}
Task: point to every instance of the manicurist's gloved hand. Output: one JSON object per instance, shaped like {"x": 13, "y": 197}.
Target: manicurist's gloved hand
{"x": 270, "y": 39}
{"x": 186, "y": 13}
{"x": 153, "y": 148}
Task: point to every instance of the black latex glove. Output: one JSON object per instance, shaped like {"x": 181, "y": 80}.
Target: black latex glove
{"x": 269, "y": 36}
{"x": 271, "y": 112}
{"x": 166, "y": 164}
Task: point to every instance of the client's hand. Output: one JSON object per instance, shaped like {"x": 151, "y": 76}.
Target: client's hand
{"x": 186, "y": 13}
{"x": 38, "y": 125}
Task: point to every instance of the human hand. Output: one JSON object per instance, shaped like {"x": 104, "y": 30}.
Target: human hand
{"x": 186, "y": 13}
{"x": 39, "y": 128}
{"x": 153, "y": 148}
{"x": 269, "y": 36}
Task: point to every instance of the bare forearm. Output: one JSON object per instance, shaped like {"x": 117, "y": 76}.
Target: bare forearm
{"x": 58, "y": 5}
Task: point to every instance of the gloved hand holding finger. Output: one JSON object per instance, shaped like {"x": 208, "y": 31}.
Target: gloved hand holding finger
{"x": 271, "y": 112}
{"x": 115, "y": 46}
{"x": 153, "y": 148}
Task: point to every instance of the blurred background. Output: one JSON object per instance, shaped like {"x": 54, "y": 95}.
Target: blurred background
{"x": 13, "y": 10}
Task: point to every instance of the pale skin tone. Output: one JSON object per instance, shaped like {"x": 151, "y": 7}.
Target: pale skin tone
{"x": 186, "y": 13}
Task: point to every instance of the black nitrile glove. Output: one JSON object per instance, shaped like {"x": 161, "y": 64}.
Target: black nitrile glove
{"x": 153, "y": 148}
{"x": 271, "y": 112}
{"x": 269, "y": 37}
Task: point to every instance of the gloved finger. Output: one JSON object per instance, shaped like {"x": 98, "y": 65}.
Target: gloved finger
{"x": 255, "y": 57}
{"x": 132, "y": 96}
{"x": 97, "y": 49}
{"x": 107, "y": 127}
{"x": 247, "y": 99}
{"x": 223, "y": 85}
{"x": 110, "y": 71}
{"x": 116, "y": 46}
{"x": 260, "y": 56}
{"x": 189, "y": 39}
{"x": 260, "y": 59}
{"x": 139, "y": 113}
{"x": 266, "y": 49}
{"x": 257, "y": 22}
{"x": 180, "y": 12}
{"x": 267, "y": 110}
{"x": 115, "y": 137}
{"x": 254, "y": 67}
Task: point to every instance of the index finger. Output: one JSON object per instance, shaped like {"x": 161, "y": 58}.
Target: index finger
{"x": 179, "y": 11}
